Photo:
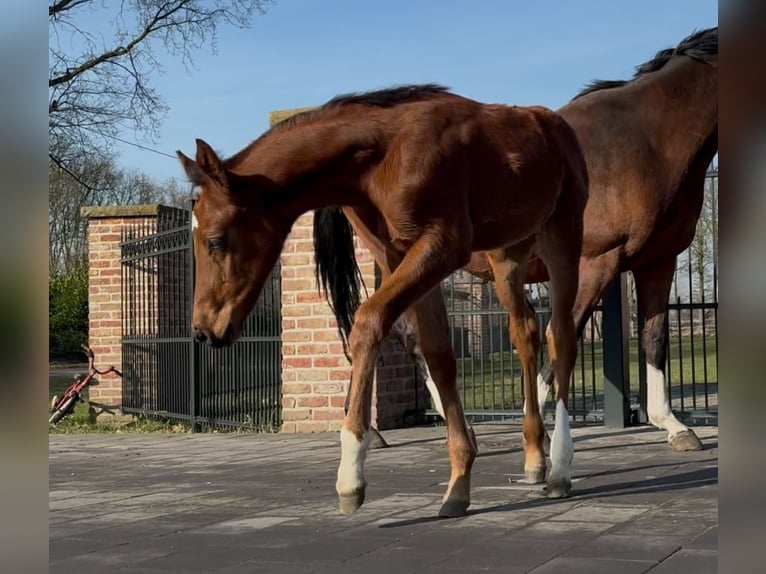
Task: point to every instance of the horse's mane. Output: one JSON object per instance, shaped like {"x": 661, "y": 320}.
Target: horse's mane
{"x": 384, "y": 98}
{"x": 701, "y": 46}
{"x": 390, "y": 96}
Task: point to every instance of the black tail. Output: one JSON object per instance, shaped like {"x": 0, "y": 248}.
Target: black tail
{"x": 336, "y": 270}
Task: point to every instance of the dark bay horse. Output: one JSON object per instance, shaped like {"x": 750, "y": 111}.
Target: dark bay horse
{"x": 648, "y": 143}
{"x": 434, "y": 177}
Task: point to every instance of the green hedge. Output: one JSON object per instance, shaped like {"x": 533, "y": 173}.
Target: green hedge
{"x": 68, "y": 312}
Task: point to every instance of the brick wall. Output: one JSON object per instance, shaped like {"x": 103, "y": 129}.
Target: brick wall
{"x": 315, "y": 372}
{"x": 105, "y": 225}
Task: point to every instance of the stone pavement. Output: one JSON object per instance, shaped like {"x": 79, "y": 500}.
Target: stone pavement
{"x": 231, "y": 503}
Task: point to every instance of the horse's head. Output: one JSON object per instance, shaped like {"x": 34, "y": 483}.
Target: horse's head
{"x": 237, "y": 241}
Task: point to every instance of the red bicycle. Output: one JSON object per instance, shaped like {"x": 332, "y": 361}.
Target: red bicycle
{"x": 62, "y": 405}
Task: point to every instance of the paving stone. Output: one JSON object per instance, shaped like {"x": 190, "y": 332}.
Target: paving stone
{"x": 575, "y": 531}
{"x": 689, "y": 562}
{"x": 626, "y": 547}
{"x": 263, "y": 567}
{"x": 506, "y": 552}
{"x": 663, "y": 521}
{"x": 107, "y": 559}
{"x": 706, "y": 541}
{"x": 64, "y": 548}
{"x": 592, "y": 512}
{"x": 267, "y": 503}
{"x": 593, "y": 566}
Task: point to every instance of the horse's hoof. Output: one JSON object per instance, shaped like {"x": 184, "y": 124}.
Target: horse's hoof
{"x": 351, "y": 502}
{"x": 685, "y": 441}
{"x": 454, "y": 508}
{"x": 534, "y": 475}
{"x": 559, "y": 488}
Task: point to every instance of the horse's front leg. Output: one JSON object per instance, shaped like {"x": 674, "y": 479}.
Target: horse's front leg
{"x": 429, "y": 260}
{"x": 653, "y": 289}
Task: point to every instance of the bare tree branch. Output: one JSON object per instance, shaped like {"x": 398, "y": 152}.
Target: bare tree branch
{"x": 101, "y": 61}
{"x": 60, "y": 164}
{"x": 160, "y": 20}
{"x": 63, "y": 5}
{"x": 87, "y": 180}
{"x": 99, "y": 81}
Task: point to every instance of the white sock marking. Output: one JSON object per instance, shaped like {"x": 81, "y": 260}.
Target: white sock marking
{"x": 352, "y": 455}
{"x": 430, "y": 383}
{"x": 658, "y": 404}
{"x": 562, "y": 450}
{"x": 407, "y": 335}
{"x": 542, "y": 395}
{"x": 543, "y": 389}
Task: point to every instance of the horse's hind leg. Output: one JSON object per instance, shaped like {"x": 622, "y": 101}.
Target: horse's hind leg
{"x": 431, "y": 258}
{"x": 543, "y": 388}
{"x": 376, "y": 439}
{"x": 407, "y": 329}
{"x": 435, "y": 348}
{"x": 409, "y": 334}
{"x": 653, "y": 289}
{"x": 509, "y": 266}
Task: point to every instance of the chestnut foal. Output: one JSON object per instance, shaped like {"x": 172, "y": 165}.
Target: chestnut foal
{"x": 433, "y": 176}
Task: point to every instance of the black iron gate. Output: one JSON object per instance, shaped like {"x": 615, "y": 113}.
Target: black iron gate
{"x": 165, "y": 372}
{"x": 489, "y": 372}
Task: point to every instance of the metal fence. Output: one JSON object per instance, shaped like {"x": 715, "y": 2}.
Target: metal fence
{"x": 489, "y": 372}
{"x": 165, "y": 372}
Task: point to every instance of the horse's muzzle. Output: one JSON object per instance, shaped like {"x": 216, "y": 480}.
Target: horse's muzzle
{"x": 201, "y": 335}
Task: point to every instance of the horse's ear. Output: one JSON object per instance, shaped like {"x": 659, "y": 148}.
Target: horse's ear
{"x": 209, "y": 162}
{"x": 193, "y": 172}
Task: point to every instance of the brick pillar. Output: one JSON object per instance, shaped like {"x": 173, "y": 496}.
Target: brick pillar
{"x": 105, "y": 226}
{"x": 315, "y": 372}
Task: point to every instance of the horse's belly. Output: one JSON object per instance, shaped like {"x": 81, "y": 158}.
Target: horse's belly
{"x": 512, "y": 210}
{"x": 491, "y": 235}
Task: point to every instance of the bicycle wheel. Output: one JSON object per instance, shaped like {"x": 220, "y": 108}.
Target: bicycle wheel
{"x": 64, "y": 409}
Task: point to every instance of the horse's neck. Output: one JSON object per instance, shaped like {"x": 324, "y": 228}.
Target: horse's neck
{"x": 686, "y": 94}
{"x": 313, "y": 166}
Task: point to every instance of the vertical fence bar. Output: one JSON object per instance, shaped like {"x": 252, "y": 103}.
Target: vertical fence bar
{"x": 704, "y": 351}
{"x": 691, "y": 333}
{"x": 193, "y": 360}
{"x": 680, "y": 352}
{"x": 591, "y": 345}
{"x": 583, "y": 401}
{"x": 615, "y": 345}
{"x": 643, "y": 416}
{"x": 488, "y": 319}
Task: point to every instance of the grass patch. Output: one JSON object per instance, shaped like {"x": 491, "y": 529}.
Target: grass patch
{"x": 137, "y": 425}
{"x": 495, "y": 382}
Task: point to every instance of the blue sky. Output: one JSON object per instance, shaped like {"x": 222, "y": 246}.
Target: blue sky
{"x": 304, "y": 52}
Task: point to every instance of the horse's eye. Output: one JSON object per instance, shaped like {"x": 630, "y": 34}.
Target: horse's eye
{"x": 215, "y": 243}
